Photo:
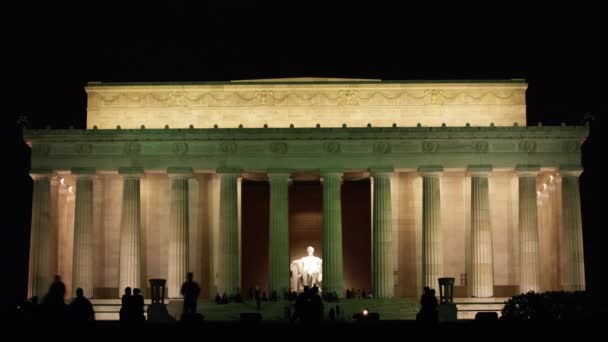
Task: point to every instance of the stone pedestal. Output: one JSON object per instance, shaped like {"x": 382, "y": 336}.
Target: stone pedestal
{"x": 278, "y": 268}
{"x": 574, "y": 272}
{"x": 432, "y": 249}
{"x": 382, "y": 257}
{"x": 82, "y": 264}
{"x": 529, "y": 276}
{"x": 129, "y": 272}
{"x": 482, "y": 264}
{"x": 178, "y": 230}
{"x": 332, "y": 233}
{"x": 40, "y": 242}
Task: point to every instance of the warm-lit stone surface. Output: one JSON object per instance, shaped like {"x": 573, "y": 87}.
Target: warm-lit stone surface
{"x": 304, "y": 103}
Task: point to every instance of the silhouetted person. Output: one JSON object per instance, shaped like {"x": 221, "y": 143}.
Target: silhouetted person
{"x": 138, "y": 306}
{"x": 81, "y": 308}
{"x": 264, "y": 297}
{"x": 218, "y": 298}
{"x": 332, "y": 314}
{"x": 258, "y": 298}
{"x": 428, "y": 306}
{"x": 190, "y": 290}
{"x": 126, "y": 308}
{"x": 224, "y": 298}
{"x": 250, "y": 293}
{"x": 53, "y": 303}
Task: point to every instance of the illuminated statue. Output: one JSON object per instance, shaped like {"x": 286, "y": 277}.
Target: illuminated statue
{"x": 306, "y": 271}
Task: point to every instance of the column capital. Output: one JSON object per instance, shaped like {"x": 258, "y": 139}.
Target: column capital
{"x": 481, "y": 170}
{"x": 279, "y": 171}
{"x": 227, "y": 170}
{"x": 131, "y": 172}
{"x": 83, "y": 172}
{"x": 331, "y": 173}
{"x": 179, "y": 171}
{"x": 571, "y": 170}
{"x": 430, "y": 170}
{"x": 40, "y": 173}
{"x": 527, "y": 170}
{"x": 374, "y": 171}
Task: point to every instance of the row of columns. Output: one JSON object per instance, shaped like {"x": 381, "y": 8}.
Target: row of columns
{"x": 382, "y": 269}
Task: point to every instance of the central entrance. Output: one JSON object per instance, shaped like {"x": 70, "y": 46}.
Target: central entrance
{"x": 306, "y": 229}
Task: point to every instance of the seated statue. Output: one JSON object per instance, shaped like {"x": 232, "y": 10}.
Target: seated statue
{"x": 306, "y": 271}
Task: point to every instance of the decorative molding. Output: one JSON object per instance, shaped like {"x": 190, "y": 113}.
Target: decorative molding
{"x": 571, "y": 146}
{"x": 481, "y": 146}
{"x": 331, "y": 147}
{"x": 83, "y": 149}
{"x": 228, "y": 147}
{"x": 278, "y": 147}
{"x": 293, "y": 98}
{"x": 132, "y": 148}
{"x": 41, "y": 149}
{"x": 180, "y": 148}
{"x": 528, "y": 146}
{"x": 430, "y": 146}
{"x": 381, "y": 147}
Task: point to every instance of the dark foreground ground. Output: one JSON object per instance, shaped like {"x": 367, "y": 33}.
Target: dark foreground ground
{"x": 341, "y": 332}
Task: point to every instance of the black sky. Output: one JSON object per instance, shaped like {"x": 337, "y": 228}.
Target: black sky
{"x": 53, "y": 50}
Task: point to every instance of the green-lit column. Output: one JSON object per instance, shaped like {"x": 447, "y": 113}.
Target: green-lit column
{"x": 332, "y": 233}
{"x": 432, "y": 247}
{"x": 382, "y": 256}
{"x": 529, "y": 259}
{"x": 129, "y": 271}
{"x": 278, "y": 248}
{"x": 229, "y": 232}
{"x": 178, "y": 230}
{"x": 482, "y": 264}
{"x": 40, "y": 241}
{"x": 82, "y": 265}
{"x": 574, "y": 275}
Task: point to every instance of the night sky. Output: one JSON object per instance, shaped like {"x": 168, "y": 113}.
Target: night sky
{"x": 53, "y": 50}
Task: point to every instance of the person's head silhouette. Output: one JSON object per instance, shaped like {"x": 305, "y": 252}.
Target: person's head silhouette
{"x": 136, "y": 291}
{"x": 79, "y": 293}
{"x": 190, "y": 276}
{"x": 127, "y": 291}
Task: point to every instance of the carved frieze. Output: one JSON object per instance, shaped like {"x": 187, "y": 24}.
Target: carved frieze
{"x": 481, "y": 146}
{"x": 297, "y": 97}
{"x": 180, "y": 148}
{"x": 570, "y": 146}
{"x": 278, "y": 147}
{"x": 131, "y": 148}
{"x": 430, "y": 146}
{"x": 83, "y": 149}
{"x": 228, "y": 147}
{"x": 331, "y": 147}
{"x": 381, "y": 147}
{"x": 528, "y": 146}
{"x": 41, "y": 149}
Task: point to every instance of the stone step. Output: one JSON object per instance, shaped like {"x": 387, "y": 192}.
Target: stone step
{"x": 480, "y": 307}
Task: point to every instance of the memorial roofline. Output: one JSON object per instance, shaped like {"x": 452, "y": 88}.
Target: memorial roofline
{"x": 305, "y": 81}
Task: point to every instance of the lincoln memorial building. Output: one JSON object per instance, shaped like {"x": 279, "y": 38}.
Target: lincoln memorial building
{"x": 393, "y": 183}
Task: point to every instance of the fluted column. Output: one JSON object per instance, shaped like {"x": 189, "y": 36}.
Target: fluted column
{"x": 432, "y": 247}
{"x": 229, "y": 232}
{"x": 332, "y": 233}
{"x": 83, "y": 251}
{"x": 482, "y": 264}
{"x": 529, "y": 256}
{"x": 178, "y": 230}
{"x": 40, "y": 242}
{"x": 382, "y": 257}
{"x": 129, "y": 271}
{"x": 278, "y": 270}
{"x": 574, "y": 275}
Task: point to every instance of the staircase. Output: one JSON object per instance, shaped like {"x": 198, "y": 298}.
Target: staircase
{"x": 468, "y": 307}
